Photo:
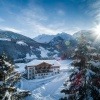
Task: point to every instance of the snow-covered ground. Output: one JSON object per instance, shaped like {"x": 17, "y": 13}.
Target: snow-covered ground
{"x": 65, "y": 65}
{"x": 30, "y": 56}
{"x": 44, "y": 52}
{"x": 21, "y": 43}
{"x": 20, "y": 67}
{"x": 50, "y": 90}
{"x": 47, "y": 88}
{"x": 5, "y": 39}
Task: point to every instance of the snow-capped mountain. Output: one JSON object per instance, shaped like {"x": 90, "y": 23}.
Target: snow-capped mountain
{"x": 65, "y": 36}
{"x": 18, "y": 46}
{"x": 44, "y": 38}
{"x": 65, "y": 47}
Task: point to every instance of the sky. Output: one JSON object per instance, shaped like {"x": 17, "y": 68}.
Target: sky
{"x": 35, "y": 17}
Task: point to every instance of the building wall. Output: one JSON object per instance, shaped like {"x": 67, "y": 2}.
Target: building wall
{"x": 32, "y": 72}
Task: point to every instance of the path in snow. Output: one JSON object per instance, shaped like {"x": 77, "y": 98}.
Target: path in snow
{"x": 36, "y": 83}
{"x": 51, "y": 90}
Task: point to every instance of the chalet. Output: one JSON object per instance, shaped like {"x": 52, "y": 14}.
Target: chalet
{"x": 42, "y": 68}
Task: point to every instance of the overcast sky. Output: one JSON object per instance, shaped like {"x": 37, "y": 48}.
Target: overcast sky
{"x": 34, "y": 17}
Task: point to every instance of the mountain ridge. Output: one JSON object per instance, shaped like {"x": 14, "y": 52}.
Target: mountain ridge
{"x": 48, "y": 38}
{"x": 18, "y": 46}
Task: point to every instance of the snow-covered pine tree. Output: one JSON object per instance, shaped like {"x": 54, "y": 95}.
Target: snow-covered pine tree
{"x": 84, "y": 82}
{"x": 8, "y": 78}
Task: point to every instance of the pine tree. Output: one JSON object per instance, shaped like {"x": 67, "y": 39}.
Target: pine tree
{"x": 8, "y": 78}
{"x": 84, "y": 82}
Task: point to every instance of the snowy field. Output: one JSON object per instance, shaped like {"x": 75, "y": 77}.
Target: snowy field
{"x": 46, "y": 88}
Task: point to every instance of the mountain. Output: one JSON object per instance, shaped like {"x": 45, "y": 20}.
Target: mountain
{"x": 64, "y": 46}
{"x": 17, "y": 46}
{"x": 65, "y": 36}
{"x": 90, "y": 36}
{"x": 58, "y": 43}
{"x": 44, "y": 38}
{"x": 15, "y": 37}
{"x": 63, "y": 43}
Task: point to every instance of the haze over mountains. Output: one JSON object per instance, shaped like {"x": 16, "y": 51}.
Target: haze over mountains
{"x": 41, "y": 47}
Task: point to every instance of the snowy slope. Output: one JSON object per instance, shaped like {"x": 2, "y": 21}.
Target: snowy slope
{"x": 44, "y": 38}
{"x": 21, "y": 43}
{"x": 30, "y": 56}
{"x": 44, "y": 52}
{"x": 5, "y": 39}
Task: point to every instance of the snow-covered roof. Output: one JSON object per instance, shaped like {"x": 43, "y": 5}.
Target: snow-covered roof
{"x": 37, "y": 62}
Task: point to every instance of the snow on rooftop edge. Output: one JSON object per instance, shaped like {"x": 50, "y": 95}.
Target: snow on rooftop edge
{"x": 36, "y": 62}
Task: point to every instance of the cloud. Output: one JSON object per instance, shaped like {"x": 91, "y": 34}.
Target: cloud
{"x": 34, "y": 20}
{"x": 96, "y": 11}
{"x": 10, "y": 29}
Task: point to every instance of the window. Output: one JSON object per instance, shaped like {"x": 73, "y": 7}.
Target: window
{"x": 36, "y": 75}
{"x": 29, "y": 70}
{"x": 41, "y": 74}
{"x": 29, "y": 74}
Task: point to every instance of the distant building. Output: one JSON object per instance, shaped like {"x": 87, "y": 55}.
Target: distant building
{"x": 42, "y": 68}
